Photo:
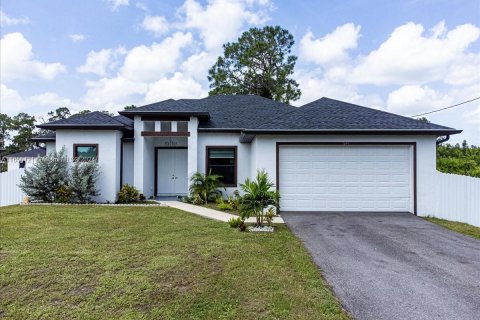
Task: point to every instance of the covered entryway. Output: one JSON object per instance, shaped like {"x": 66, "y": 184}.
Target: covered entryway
{"x": 346, "y": 177}
{"x": 171, "y": 171}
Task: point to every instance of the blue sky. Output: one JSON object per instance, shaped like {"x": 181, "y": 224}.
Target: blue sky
{"x": 405, "y": 57}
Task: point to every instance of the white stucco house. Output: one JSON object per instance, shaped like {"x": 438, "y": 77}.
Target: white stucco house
{"x": 327, "y": 155}
{"x": 23, "y": 160}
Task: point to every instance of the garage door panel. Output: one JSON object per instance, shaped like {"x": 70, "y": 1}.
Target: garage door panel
{"x": 345, "y": 178}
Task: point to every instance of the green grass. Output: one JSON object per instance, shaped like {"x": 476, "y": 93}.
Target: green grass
{"x": 214, "y": 206}
{"x": 92, "y": 262}
{"x": 459, "y": 227}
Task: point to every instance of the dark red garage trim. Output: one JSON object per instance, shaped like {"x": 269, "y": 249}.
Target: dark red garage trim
{"x": 412, "y": 144}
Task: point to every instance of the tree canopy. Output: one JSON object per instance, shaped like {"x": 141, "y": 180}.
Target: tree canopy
{"x": 58, "y": 114}
{"x": 260, "y": 63}
{"x": 459, "y": 159}
{"x": 23, "y": 127}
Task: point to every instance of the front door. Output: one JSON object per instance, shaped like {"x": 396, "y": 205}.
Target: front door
{"x": 172, "y": 166}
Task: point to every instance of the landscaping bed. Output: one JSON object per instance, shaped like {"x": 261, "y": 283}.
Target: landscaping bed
{"x": 128, "y": 204}
{"x": 214, "y": 206}
{"x": 104, "y": 262}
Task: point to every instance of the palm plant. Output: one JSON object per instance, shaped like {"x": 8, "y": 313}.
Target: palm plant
{"x": 205, "y": 186}
{"x": 258, "y": 195}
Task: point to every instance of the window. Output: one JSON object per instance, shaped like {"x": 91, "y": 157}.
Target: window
{"x": 223, "y": 161}
{"x": 149, "y": 125}
{"x": 85, "y": 152}
{"x": 166, "y": 126}
{"x": 21, "y": 164}
{"x": 182, "y": 126}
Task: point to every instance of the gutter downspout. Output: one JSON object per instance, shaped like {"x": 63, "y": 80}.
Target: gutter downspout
{"x": 442, "y": 140}
{"x": 121, "y": 163}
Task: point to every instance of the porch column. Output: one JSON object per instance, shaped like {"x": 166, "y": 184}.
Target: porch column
{"x": 138, "y": 147}
{"x": 192, "y": 146}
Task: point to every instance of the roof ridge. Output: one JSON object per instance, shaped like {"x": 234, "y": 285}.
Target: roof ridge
{"x": 330, "y": 114}
{"x": 375, "y": 110}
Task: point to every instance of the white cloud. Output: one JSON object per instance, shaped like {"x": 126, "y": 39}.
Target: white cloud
{"x": 220, "y": 21}
{"x": 118, "y": 3}
{"x": 474, "y": 117}
{"x": 412, "y": 99}
{"x": 151, "y": 72}
{"x": 158, "y": 25}
{"x": 141, "y": 6}
{"x": 5, "y": 20}
{"x": 148, "y": 63}
{"x": 10, "y": 100}
{"x": 332, "y": 47}
{"x": 52, "y": 100}
{"x": 143, "y": 65}
{"x": 16, "y": 60}
{"x": 465, "y": 70}
{"x": 113, "y": 92}
{"x": 314, "y": 86}
{"x": 197, "y": 65}
{"x": 409, "y": 56}
{"x": 176, "y": 87}
{"x": 77, "y": 37}
{"x": 101, "y": 62}
{"x": 97, "y": 62}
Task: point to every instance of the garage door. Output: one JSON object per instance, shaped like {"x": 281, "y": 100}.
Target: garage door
{"x": 346, "y": 178}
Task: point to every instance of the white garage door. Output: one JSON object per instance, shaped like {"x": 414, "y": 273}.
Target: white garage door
{"x": 346, "y": 178}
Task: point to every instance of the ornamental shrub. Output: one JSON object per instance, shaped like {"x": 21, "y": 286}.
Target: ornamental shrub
{"x": 64, "y": 194}
{"x": 128, "y": 194}
{"x": 235, "y": 222}
{"x": 83, "y": 181}
{"x": 258, "y": 195}
{"x": 48, "y": 175}
{"x": 52, "y": 179}
{"x": 205, "y": 186}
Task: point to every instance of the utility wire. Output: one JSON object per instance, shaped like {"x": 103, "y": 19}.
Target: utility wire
{"x": 455, "y": 105}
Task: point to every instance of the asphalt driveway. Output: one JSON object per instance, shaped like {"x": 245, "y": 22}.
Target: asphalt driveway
{"x": 393, "y": 266}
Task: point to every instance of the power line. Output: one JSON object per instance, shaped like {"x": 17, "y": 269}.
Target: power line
{"x": 455, "y": 105}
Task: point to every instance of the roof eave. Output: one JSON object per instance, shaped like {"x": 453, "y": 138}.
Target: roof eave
{"x": 234, "y": 130}
{"x": 437, "y": 132}
{"x": 131, "y": 113}
{"x": 39, "y": 139}
{"x": 84, "y": 126}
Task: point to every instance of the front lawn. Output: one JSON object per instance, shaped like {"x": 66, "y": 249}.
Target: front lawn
{"x": 459, "y": 227}
{"x": 92, "y": 262}
{"x": 214, "y": 206}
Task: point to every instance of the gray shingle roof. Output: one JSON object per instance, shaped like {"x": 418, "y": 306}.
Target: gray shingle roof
{"x": 50, "y": 136}
{"x": 94, "y": 120}
{"x": 250, "y": 113}
{"x": 40, "y": 152}
{"x": 238, "y": 111}
{"x": 254, "y": 113}
{"x": 126, "y": 121}
{"x": 329, "y": 114}
{"x": 164, "y": 106}
{"x": 221, "y": 111}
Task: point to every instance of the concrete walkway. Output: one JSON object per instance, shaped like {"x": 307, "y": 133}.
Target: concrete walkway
{"x": 210, "y": 213}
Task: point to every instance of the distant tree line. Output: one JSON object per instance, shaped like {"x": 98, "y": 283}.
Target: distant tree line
{"x": 459, "y": 159}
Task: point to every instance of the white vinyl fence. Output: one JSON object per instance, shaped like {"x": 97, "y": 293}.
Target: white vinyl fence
{"x": 457, "y": 198}
{"x": 10, "y": 193}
